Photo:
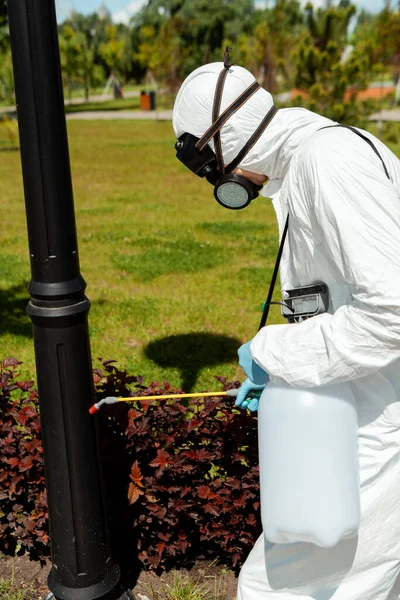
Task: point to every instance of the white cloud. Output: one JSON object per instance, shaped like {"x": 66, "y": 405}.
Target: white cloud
{"x": 124, "y": 15}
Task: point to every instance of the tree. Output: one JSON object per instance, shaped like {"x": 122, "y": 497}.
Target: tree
{"x": 163, "y": 54}
{"x": 71, "y": 57}
{"x": 90, "y": 31}
{"x": 267, "y": 48}
{"x": 6, "y": 76}
{"x": 113, "y": 51}
{"x": 194, "y": 32}
{"x": 388, "y": 34}
{"x": 3, "y": 12}
{"x": 321, "y": 70}
{"x": 4, "y": 35}
{"x": 6, "y": 70}
{"x": 378, "y": 36}
{"x": 285, "y": 26}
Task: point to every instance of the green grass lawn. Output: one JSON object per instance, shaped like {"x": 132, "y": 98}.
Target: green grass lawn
{"x": 176, "y": 281}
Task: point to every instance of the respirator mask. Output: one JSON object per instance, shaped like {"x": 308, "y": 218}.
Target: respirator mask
{"x": 230, "y": 190}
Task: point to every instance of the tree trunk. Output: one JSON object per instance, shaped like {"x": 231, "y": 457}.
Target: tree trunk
{"x": 69, "y": 90}
{"x": 269, "y": 68}
{"x": 86, "y": 85}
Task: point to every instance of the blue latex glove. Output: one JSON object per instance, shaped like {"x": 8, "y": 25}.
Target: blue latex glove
{"x": 255, "y": 373}
{"x": 244, "y": 397}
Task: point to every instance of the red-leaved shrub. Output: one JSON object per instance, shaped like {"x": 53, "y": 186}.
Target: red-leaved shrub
{"x": 23, "y": 502}
{"x": 181, "y": 478}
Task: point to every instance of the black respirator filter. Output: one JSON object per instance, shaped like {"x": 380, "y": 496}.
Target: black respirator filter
{"x": 230, "y": 190}
{"x": 234, "y": 191}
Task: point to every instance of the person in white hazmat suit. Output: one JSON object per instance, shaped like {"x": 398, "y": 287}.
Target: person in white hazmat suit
{"x": 344, "y": 230}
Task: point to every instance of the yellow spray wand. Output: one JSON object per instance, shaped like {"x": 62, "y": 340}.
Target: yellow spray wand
{"x": 114, "y": 399}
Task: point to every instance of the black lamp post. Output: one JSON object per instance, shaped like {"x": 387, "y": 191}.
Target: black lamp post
{"x": 81, "y": 565}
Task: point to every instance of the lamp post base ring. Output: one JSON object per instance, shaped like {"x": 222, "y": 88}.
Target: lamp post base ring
{"x": 108, "y": 588}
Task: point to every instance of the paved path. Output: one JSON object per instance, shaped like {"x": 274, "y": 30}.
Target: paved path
{"x": 386, "y": 115}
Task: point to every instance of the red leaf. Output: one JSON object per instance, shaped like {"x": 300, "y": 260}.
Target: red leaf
{"x": 26, "y": 463}
{"x": 190, "y": 454}
{"x": 27, "y": 412}
{"x": 13, "y": 486}
{"x": 233, "y": 483}
{"x": 29, "y": 524}
{"x": 179, "y": 504}
{"x": 235, "y": 559}
{"x": 209, "y": 508}
{"x": 240, "y": 502}
{"x": 158, "y": 511}
{"x": 169, "y": 439}
{"x": 13, "y": 462}
{"x": 25, "y": 385}
{"x": 10, "y": 361}
{"x": 133, "y": 493}
{"x": 154, "y": 561}
{"x": 203, "y": 454}
{"x": 161, "y": 460}
{"x": 251, "y": 520}
{"x": 136, "y": 474}
{"x": 142, "y": 427}
{"x": 187, "y": 468}
{"x": 182, "y": 545}
{"x": 192, "y": 424}
{"x": 160, "y": 547}
{"x": 134, "y": 414}
{"x": 203, "y": 491}
{"x": 97, "y": 375}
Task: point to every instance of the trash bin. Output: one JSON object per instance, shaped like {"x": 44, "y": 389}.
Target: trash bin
{"x": 147, "y": 100}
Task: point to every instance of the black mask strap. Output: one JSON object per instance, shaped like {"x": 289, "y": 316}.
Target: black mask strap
{"x": 219, "y": 120}
{"x": 227, "y": 61}
{"x": 253, "y": 139}
{"x": 215, "y": 113}
{"x": 222, "y": 119}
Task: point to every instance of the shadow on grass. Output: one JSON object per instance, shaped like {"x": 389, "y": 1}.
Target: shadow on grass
{"x": 191, "y": 352}
{"x": 9, "y": 149}
{"x": 13, "y": 316}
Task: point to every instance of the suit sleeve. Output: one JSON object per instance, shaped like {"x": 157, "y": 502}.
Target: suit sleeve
{"x": 356, "y": 212}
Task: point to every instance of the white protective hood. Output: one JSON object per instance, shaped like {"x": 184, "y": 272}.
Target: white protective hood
{"x": 271, "y": 155}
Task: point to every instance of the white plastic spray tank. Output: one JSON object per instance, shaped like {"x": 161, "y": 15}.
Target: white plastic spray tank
{"x": 308, "y": 457}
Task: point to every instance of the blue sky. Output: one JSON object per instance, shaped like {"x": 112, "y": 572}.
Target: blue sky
{"x": 121, "y": 10}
